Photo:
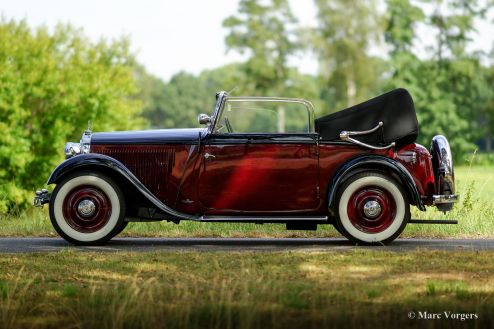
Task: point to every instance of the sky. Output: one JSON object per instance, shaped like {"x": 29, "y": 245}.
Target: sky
{"x": 169, "y": 36}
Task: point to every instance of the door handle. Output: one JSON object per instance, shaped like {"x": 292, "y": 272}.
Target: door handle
{"x": 209, "y": 156}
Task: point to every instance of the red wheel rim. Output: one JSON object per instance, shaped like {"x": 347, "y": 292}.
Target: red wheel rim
{"x": 376, "y": 196}
{"x": 93, "y": 219}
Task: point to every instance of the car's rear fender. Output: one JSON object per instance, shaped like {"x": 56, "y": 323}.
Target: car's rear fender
{"x": 372, "y": 161}
{"x": 114, "y": 168}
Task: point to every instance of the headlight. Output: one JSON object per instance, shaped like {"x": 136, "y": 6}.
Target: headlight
{"x": 72, "y": 149}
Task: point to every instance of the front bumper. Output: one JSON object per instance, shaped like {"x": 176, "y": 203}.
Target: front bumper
{"x": 445, "y": 202}
{"x": 41, "y": 198}
{"x": 445, "y": 199}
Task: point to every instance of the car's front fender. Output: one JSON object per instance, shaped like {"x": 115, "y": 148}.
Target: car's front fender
{"x": 86, "y": 160}
{"x": 94, "y": 161}
{"x": 373, "y": 161}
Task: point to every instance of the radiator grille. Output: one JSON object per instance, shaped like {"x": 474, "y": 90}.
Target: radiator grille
{"x": 151, "y": 164}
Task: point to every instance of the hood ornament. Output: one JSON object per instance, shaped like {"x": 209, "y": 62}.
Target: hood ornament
{"x": 88, "y": 130}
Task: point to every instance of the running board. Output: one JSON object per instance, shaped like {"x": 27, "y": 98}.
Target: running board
{"x": 433, "y": 221}
{"x": 264, "y": 219}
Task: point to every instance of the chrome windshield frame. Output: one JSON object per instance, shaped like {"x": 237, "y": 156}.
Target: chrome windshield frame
{"x": 220, "y": 103}
{"x": 223, "y": 98}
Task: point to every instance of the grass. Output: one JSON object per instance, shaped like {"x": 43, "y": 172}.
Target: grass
{"x": 244, "y": 290}
{"x": 475, "y": 213}
{"x": 334, "y": 289}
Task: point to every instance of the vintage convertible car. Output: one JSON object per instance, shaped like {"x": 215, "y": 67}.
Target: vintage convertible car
{"x": 258, "y": 160}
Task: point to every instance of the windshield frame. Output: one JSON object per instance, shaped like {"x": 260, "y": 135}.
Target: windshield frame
{"x": 224, "y": 98}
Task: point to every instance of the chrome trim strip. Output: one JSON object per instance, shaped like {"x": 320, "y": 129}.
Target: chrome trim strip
{"x": 345, "y": 136}
{"x": 354, "y": 141}
{"x": 363, "y": 132}
{"x": 280, "y": 219}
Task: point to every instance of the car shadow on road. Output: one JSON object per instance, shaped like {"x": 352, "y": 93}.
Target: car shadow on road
{"x": 35, "y": 244}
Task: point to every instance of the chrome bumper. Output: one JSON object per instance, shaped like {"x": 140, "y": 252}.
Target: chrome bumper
{"x": 445, "y": 199}
{"x": 41, "y": 198}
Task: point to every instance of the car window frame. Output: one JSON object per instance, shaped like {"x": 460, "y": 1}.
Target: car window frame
{"x": 223, "y": 98}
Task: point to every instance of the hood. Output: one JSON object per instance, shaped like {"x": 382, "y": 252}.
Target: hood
{"x": 161, "y": 136}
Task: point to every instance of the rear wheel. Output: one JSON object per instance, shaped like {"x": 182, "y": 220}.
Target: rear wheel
{"x": 372, "y": 208}
{"x": 87, "y": 208}
{"x": 122, "y": 227}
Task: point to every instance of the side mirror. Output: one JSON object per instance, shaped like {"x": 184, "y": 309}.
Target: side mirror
{"x": 204, "y": 119}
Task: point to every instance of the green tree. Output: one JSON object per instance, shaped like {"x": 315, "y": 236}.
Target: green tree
{"x": 487, "y": 116}
{"x": 51, "y": 84}
{"x": 449, "y": 85}
{"x": 267, "y": 33}
{"x": 345, "y": 33}
{"x": 178, "y": 102}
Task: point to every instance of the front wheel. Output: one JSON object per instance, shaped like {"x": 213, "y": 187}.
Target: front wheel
{"x": 87, "y": 208}
{"x": 372, "y": 208}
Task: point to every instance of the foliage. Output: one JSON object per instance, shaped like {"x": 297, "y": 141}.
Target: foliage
{"x": 177, "y": 103}
{"x": 265, "y": 32}
{"x": 450, "y": 85}
{"x": 51, "y": 84}
{"x": 349, "y": 74}
{"x": 486, "y": 118}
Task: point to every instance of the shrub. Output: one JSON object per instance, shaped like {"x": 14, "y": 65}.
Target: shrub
{"x": 51, "y": 84}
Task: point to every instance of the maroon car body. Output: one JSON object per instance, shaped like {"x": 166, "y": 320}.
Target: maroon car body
{"x": 288, "y": 174}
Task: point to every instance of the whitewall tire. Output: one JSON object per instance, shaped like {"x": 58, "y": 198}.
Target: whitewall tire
{"x": 87, "y": 208}
{"x": 372, "y": 208}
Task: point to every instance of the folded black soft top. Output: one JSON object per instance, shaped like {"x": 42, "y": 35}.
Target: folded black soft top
{"x": 395, "y": 109}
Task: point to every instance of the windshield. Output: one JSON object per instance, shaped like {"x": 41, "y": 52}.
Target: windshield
{"x": 264, "y": 116}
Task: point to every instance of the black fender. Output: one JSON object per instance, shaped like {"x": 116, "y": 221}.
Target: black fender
{"x": 94, "y": 161}
{"x": 377, "y": 162}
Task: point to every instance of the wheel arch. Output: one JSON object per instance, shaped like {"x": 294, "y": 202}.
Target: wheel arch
{"x": 375, "y": 162}
{"x": 129, "y": 190}
{"x": 114, "y": 169}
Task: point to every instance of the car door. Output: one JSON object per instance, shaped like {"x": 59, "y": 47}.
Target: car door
{"x": 253, "y": 164}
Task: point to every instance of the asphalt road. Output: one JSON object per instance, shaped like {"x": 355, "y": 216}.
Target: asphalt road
{"x": 26, "y": 245}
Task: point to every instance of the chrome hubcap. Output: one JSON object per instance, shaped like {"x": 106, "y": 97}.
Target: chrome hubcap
{"x": 86, "y": 208}
{"x": 372, "y": 209}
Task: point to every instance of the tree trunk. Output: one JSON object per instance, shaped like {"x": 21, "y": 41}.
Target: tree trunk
{"x": 351, "y": 91}
{"x": 281, "y": 119}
